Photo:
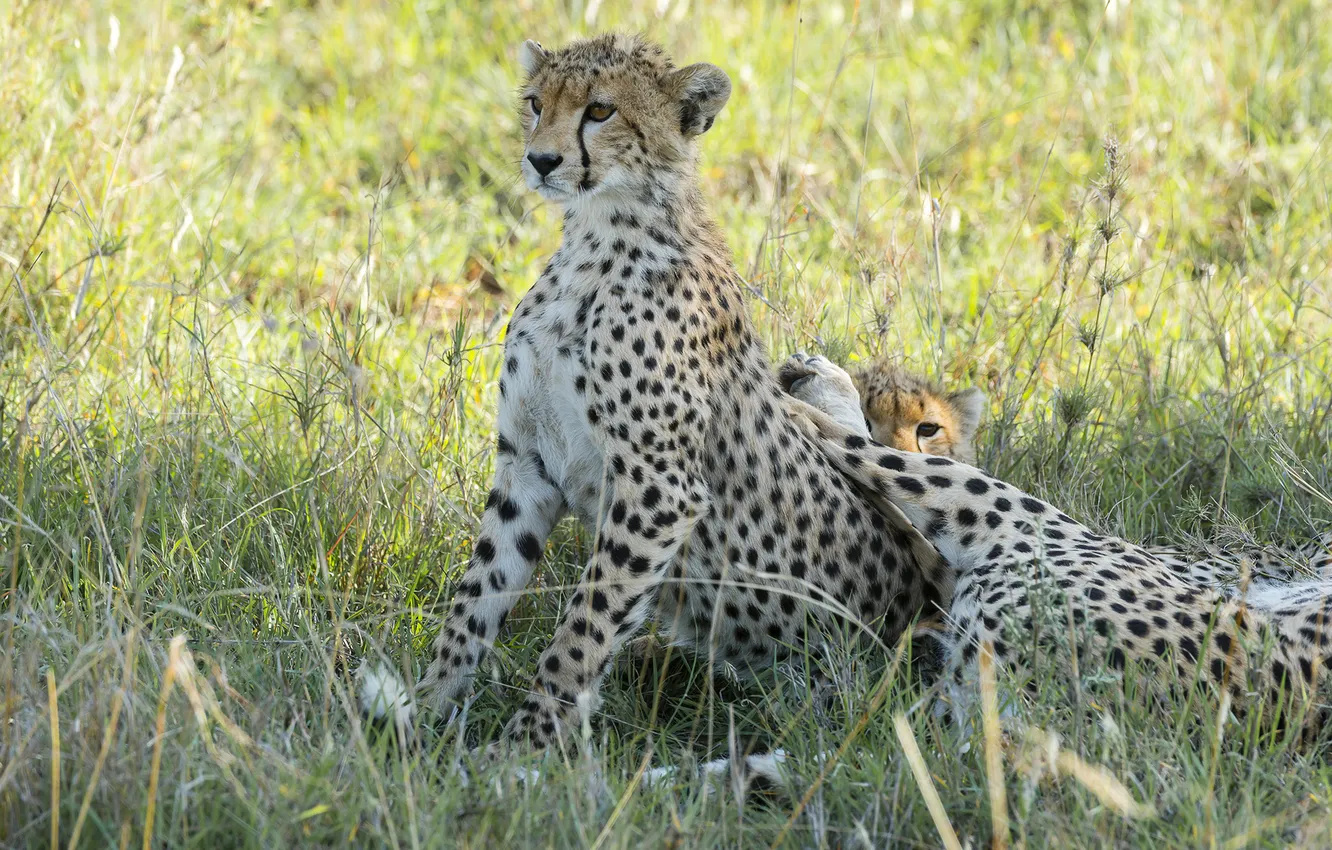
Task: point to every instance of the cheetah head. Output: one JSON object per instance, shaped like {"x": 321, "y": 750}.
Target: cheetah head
{"x": 912, "y": 415}
{"x": 611, "y": 113}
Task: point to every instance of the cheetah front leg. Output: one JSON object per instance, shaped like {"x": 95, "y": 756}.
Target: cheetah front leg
{"x": 639, "y": 537}
{"x": 522, "y": 508}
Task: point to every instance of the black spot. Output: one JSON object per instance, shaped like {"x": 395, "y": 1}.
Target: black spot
{"x": 484, "y": 551}
{"x": 529, "y": 547}
{"x": 911, "y": 485}
{"x": 1188, "y": 647}
{"x": 977, "y": 486}
{"x": 1279, "y": 673}
{"x": 893, "y": 462}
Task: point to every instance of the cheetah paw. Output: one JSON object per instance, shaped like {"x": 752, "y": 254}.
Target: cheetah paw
{"x": 824, "y": 385}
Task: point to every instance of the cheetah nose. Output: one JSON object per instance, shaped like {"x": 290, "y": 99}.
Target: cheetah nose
{"x": 545, "y": 163}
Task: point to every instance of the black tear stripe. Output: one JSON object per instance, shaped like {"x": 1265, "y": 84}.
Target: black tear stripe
{"x": 586, "y": 183}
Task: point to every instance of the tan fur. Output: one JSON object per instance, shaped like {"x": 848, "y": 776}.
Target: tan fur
{"x": 900, "y": 408}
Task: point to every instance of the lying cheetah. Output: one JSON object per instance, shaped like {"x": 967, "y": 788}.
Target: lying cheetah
{"x": 905, "y": 411}
{"x": 1004, "y": 544}
{"x": 636, "y": 395}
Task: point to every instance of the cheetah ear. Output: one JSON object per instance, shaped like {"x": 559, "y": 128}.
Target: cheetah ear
{"x": 701, "y": 91}
{"x": 970, "y": 405}
{"x": 532, "y": 57}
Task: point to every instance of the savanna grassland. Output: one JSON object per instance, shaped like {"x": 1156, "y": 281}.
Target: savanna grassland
{"x": 256, "y": 262}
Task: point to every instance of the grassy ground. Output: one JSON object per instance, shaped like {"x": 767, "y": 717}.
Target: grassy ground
{"x": 256, "y": 263}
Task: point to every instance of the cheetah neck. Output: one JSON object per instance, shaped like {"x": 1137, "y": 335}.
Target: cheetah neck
{"x": 640, "y": 235}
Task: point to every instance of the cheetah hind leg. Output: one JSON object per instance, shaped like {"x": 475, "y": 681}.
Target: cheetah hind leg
{"x": 822, "y": 395}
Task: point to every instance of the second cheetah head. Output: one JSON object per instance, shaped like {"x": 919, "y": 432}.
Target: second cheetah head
{"x": 910, "y": 414}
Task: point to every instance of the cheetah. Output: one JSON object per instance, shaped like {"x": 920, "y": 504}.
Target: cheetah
{"x": 1268, "y": 646}
{"x": 636, "y": 396}
{"x": 905, "y": 411}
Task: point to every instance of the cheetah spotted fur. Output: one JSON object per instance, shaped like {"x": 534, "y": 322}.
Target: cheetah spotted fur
{"x": 636, "y": 395}
{"x": 905, "y": 411}
{"x": 1271, "y": 646}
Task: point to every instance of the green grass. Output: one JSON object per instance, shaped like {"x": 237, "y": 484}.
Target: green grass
{"x": 256, "y": 263}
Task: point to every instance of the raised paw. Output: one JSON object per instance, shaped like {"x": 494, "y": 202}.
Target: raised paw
{"x": 823, "y": 384}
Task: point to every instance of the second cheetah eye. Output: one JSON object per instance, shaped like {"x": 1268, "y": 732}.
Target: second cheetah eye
{"x": 927, "y": 429}
{"x": 599, "y": 111}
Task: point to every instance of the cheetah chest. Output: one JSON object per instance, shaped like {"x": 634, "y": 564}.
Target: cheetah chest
{"x": 541, "y": 397}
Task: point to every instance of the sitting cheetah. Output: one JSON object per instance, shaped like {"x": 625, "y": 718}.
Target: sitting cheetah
{"x": 636, "y": 395}
{"x": 904, "y": 411}
{"x": 1003, "y": 544}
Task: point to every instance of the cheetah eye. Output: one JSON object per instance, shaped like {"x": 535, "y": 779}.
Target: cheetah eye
{"x": 927, "y": 429}
{"x": 535, "y": 103}
{"x": 599, "y": 111}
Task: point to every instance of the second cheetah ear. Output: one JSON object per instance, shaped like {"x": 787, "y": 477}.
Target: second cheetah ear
{"x": 532, "y": 57}
{"x": 701, "y": 91}
{"x": 970, "y": 406}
